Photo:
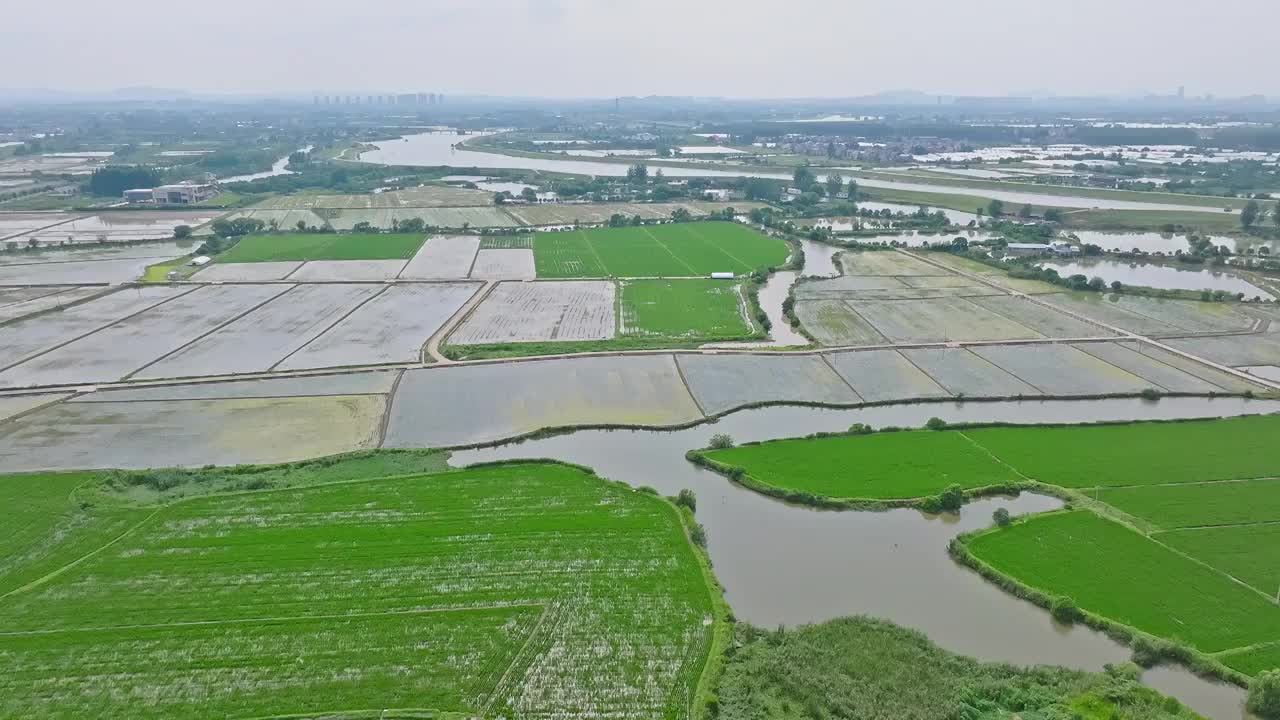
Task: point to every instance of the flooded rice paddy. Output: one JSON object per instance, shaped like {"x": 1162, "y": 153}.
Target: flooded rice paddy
{"x": 1159, "y": 276}
{"x": 783, "y": 564}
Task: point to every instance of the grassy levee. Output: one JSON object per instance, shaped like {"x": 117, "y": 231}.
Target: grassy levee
{"x": 351, "y": 584}
{"x": 872, "y": 670}
{"x": 323, "y": 246}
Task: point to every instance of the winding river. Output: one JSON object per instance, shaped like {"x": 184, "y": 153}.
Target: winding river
{"x": 435, "y": 149}
{"x": 783, "y": 564}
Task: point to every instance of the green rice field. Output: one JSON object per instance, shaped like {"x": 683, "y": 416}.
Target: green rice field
{"x": 883, "y": 466}
{"x": 1202, "y": 566}
{"x": 522, "y": 590}
{"x": 675, "y": 250}
{"x": 1198, "y": 504}
{"x": 1140, "y": 453}
{"x": 323, "y": 246}
{"x": 1249, "y": 553}
{"x": 1255, "y": 660}
{"x": 1109, "y": 569}
{"x": 52, "y": 529}
{"x": 710, "y": 309}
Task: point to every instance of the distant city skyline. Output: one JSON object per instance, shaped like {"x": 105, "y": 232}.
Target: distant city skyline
{"x": 605, "y": 48}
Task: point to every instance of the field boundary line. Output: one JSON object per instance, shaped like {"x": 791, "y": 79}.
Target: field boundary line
{"x": 386, "y": 412}
{"x": 294, "y": 271}
{"x": 55, "y": 573}
{"x": 1179, "y": 484}
{"x": 1137, "y": 350}
{"x": 827, "y": 361}
{"x": 996, "y": 458}
{"x": 663, "y": 245}
{"x": 1220, "y": 526}
{"x": 586, "y": 240}
{"x": 999, "y": 314}
{"x": 849, "y": 304}
{"x": 267, "y": 619}
{"x": 98, "y": 329}
{"x": 923, "y": 372}
{"x": 1244, "y": 649}
{"x": 211, "y": 331}
{"x": 746, "y": 267}
{"x": 1150, "y": 536}
{"x": 1107, "y": 362}
{"x": 1011, "y": 373}
{"x": 431, "y": 348}
{"x": 498, "y": 690}
{"x": 675, "y": 358}
{"x": 381, "y": 291}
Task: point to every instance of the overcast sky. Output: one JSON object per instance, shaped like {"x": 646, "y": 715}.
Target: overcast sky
{"x": 601, "y": 48}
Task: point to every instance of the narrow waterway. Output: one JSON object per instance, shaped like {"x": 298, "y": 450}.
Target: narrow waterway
{"x": 784, "y": 564}
{"x": 279, "y": 167}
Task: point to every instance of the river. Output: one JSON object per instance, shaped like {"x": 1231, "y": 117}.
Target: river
{"x": 783, "y": 564}
{"x": 441, "y": 149}
{"x": 279, "y": 167}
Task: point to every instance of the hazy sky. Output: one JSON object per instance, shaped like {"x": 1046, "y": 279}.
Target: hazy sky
{"x": 642, "y": 47}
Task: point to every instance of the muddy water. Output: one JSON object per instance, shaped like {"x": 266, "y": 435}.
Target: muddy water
{"x": 785, "y": 564}
{"x": 1168, "y": 243}
{"x": 1159, "y": 276}
{"x": 441, "y": 148}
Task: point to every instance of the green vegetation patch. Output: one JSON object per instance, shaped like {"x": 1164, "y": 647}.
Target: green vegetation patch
{"x": 1252, "y": 662}
{"x": 1199, "y": 504}
{"x": 1249, "y": 553}
{"x": 883, "y": 466}
{"x": 496, "y": 591}
{"x": 1111, "y": 570}
{"x": 46, "y": 527}
{"x": 674, "y": 250}
{"x": 871, "y": 670}
{"x": 710, "y": 309}
{"x": 323, "y": 246}
{"x": 1140, "y": 453}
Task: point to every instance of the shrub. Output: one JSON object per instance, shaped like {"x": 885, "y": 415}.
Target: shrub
{"x": 952, "y": 498}
{"x": 1264, "y": 695}
{"x": 1148, "y": 652}
{"x": 1150, "y": 394}
{"x": 1001, "y": 517}
{"x": 698, "y": 535}
{"x": 1064, "y": 610}
{"x": 935, "y": 423}
{"x": 860, "y": 429}
{"x": 931, "y": 505}
{"x": 721, "y": 441}
{"x": 647, "y": 490}
{"x": 1123, "y": 671}
{"x": 686, "y": 498}
{"x": 737, "y": 473}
